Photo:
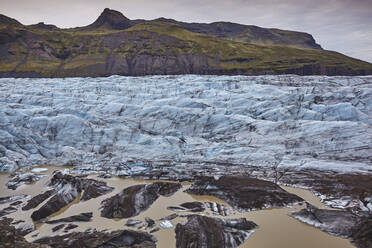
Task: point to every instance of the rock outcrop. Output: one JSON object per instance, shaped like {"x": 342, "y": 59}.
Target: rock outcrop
{"x": 358, "y": 228}
{"x": 248, "y": 33}
{"x": 83, "y": 217}
{"x": 351, "y": 191}
{"x": 66, "y": 188}
{"x": 38, "y": 199}
{"x": 133, "y": 200}
{"x": 244, "y": 193}
{"x": 7, "y": 210}
{"x": 13, "y": 198}
{"x": 109, "y": 19}
{"x": 193, "y": 206}
{"x": 205, "y": 232}
{"x": 20, "y": 179}
{"x": 95, "y": 239}
{"x": 340, "y": 223}
{"x": 215, "y": 208}
{"x": 11, "y": 237}
{"x": 362, "y": 237}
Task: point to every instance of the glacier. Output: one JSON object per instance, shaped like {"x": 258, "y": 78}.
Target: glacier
{"x": 130, "y": 125}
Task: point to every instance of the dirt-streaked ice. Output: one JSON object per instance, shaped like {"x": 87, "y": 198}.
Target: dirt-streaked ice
{"x": 281, "y": 121}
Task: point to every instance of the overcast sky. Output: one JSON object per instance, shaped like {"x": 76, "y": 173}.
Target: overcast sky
{"x": 340, "y": 25}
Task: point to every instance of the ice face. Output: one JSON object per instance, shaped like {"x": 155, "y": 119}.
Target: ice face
{"x": 286, "y": 121}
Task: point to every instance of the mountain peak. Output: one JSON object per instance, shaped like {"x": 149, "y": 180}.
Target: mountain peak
{"x": 43, "y": 26}
{"x": 8, "y": 21}
{"x": 111, "y": 19}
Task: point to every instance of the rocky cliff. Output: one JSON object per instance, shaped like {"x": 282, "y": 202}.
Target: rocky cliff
{"x": 113, "y": 44}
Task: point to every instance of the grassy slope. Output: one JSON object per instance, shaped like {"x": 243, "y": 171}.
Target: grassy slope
{"x": 236, "y": 55}
{"x": 77, "y": 51}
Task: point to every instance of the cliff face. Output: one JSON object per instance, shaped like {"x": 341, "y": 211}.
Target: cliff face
{"x": 113, "y": 44}
{"x": 250, "y": 34}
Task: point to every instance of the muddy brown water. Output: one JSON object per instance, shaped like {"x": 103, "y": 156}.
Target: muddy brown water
{"x": 276, "y": 228}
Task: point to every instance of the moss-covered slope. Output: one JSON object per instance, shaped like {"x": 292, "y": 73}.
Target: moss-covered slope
{"x": 116, "y": 45}
{"x": 249, "y": 34}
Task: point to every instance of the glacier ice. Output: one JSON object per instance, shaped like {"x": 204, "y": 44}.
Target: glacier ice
{"x": 134, "y": 123}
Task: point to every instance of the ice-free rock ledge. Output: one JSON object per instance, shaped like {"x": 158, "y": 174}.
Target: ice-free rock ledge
{"x": 65, "y": 189}
{"x": 133, "y": 200}
{"x": 244, "y": 193}
{"x": 205, "y": 232}
{"x": 356, "y": 227}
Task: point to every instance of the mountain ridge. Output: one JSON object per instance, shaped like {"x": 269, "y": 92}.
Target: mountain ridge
{"x": 250, "y": 34}
{"x": 109, "y": 19}
{"x": 114, "y": 44}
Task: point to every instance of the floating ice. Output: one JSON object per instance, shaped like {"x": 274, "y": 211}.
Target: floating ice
{"x": 166, "y": 224}
{"x": 38, "y": 170}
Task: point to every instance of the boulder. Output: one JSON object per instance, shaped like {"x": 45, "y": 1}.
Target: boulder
{"x": 7, "y": 210}
{"x": 206, "y": 232}
{"x": 96, "y": 239}
{"x": 133, "y": 200}
{"x": 133, "y": 223}
{"x": 193, "y": 206}
{"x": 83, "y": 217}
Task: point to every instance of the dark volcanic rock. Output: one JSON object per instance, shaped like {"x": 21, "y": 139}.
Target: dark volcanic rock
{"x": 7, "y": 211}
{"x": 193, "y": 206}
{"x": 340, "y": 223}
{"x": 95, "y": 239}
{"x": 150, "y": 222}
{"x": 353, "y": 189}
{"x": 135, "y": 199}
{"x": 20, "y": 179}
{"x": 105, "y": 176}
{"x": 358, "y": 228}
{"x": 13, "y": 198}
{"x": 11, "y": 237}
{"x": 205, "y": 232}
{"x": 244, "y": 193}
{"x": 177, "y": 209}
{"x": 83, "y": 217}
{"x": 67, "y": 189}
{"x": 70, "y": 227}
{"x": 16, "y": 203}
{"x": 54, "y": 204}
{"x": 156, "y": 229}
{"x": 58, "y": 227}
{"x": 91, "y": 188}
{"x": 165, "y": 188}
{"x": 36, "y": 200}
{"x": 133, "y": 223}
{"x": 170, "y": 217}
{"x": 362, "y": 237}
